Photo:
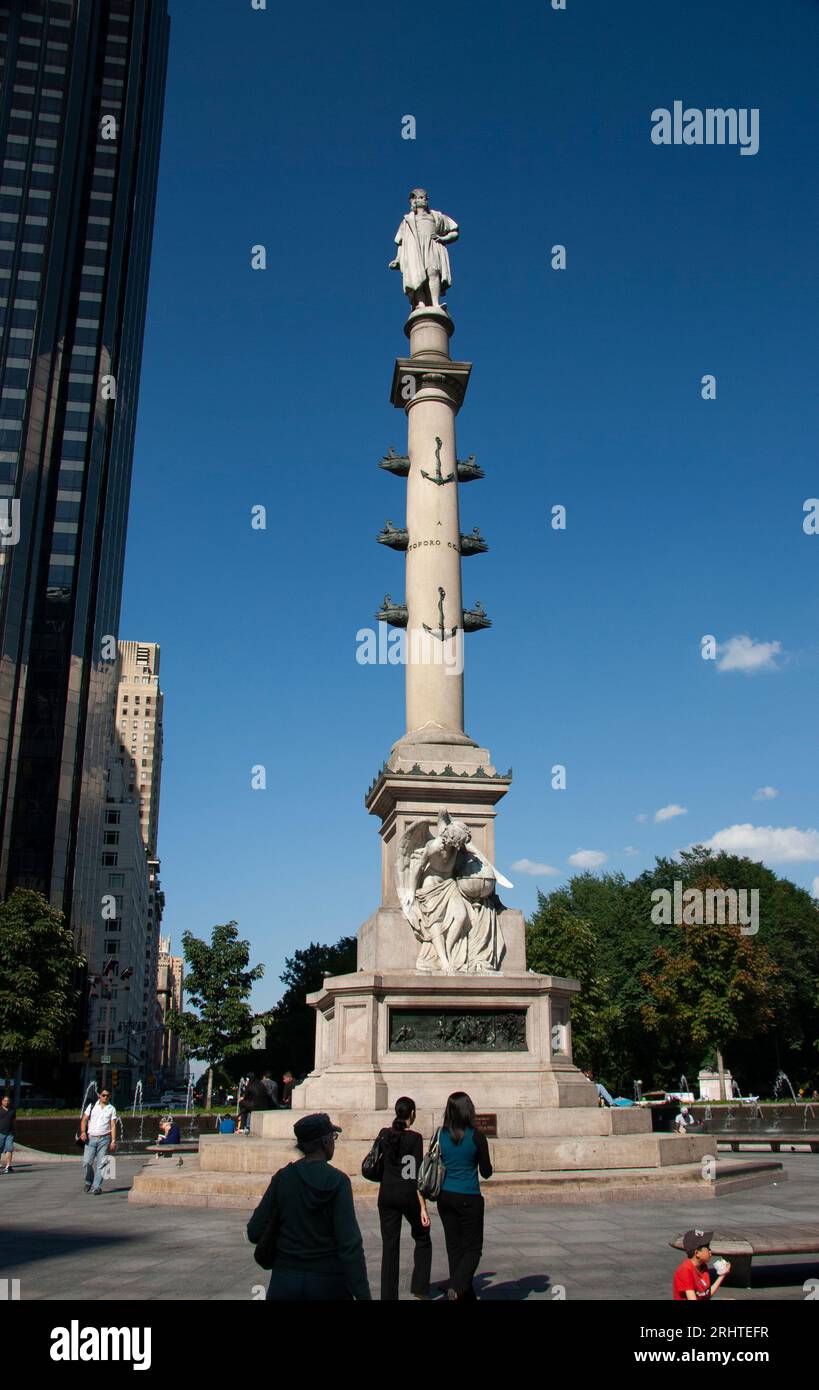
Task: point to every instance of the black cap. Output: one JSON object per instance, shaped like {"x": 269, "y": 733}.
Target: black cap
{"x": 694, "y": 1240}
{"x": 313, "y": 1127}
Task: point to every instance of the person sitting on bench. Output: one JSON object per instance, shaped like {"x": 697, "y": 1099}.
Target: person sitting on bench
{"x": 170, "y": 1131}
{"x": 692, "y": 1279}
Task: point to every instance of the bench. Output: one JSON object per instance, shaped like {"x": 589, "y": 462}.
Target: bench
{"x": 186, "y": 1147}
{"x": 773, "y": 1142}
{"x": 740, "y": 1246}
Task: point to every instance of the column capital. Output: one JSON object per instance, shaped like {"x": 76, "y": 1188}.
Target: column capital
{"x": 432, "y": 378}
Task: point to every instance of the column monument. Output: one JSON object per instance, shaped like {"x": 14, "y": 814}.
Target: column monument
{"x": 441, "y": 999}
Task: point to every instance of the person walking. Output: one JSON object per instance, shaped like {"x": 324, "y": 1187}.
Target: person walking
{"x": 400, "y": 1200}
{"x": 98, "y": 1131}
{"x": 465, "y": 1153}
{"x": 7, "y": 1114}
{"x": 288, "y": 1082}
{"x": 319, "y": 1251}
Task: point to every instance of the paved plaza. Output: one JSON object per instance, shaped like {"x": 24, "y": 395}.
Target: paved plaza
{"x": 62, "y": 1244}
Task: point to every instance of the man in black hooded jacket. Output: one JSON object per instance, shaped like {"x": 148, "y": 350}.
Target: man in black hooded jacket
{"x": 319, "y": 1250}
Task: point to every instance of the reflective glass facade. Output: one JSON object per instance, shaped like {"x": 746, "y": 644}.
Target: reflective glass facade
{"x": 80, "y": 122}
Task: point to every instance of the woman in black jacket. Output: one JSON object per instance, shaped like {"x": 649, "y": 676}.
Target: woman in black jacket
{"x": 399, "y": 1199}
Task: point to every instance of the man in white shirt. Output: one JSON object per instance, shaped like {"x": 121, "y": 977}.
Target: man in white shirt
{"x": 98, "y": 1131}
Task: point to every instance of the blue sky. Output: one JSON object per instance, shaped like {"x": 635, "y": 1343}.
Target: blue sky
{"x": 684, "y": 516}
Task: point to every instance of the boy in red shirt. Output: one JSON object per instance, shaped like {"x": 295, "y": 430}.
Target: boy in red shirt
{"x": 692, "y": 1279}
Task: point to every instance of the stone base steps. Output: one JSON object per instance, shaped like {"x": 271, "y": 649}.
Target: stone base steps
{"x": 229, "y": 1153}
{"x": 242, "y": 1191}
{"x": 518, "y": 1122}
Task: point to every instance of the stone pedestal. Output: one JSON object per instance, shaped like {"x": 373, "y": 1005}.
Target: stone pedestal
{"x": 381, "y": 1036}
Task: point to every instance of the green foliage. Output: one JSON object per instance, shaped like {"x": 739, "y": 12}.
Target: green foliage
{"x": 39, "y": 969}
{"x": 560, "y": 943}
{"x": 291, "y": 1036}
{"x": 217, "y": 983}
{"x": 712, "y": 986}
{"x": 626, "y": 966}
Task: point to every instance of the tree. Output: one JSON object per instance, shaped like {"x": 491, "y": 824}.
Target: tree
{"x": 712, "y": 986}
{"x": 217, "y": 985}
{"x": 560, "y": 943}
{"x": 292, "y": 1030}
{"x": 39, "y": 970}
{"x": 618, "y": 912}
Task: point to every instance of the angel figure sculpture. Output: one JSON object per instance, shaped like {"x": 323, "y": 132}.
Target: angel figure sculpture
{"x": 446, "y": 888}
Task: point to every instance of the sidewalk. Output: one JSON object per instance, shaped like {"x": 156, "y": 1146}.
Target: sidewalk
{"x": 61, "y": 1243}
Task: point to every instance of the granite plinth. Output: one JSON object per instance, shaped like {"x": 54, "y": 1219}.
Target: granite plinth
{"x": 358, "y": 1069}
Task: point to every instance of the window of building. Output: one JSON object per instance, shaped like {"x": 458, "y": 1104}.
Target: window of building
{"x": 109, "y": 860}
{"x": 112, "y": 817}
{"x": 111, "y": 837}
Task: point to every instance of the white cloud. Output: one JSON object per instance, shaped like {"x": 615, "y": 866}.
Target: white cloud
{"x": 669, "y": 812}
{"x": 772, "y": 843}
{"x": 765, "y": 793}
{"x": 744, "y": 654}
{"x": 588, "y": 858}
{"x": 531, "y": 866}
{"x": 814, "y": 888}
{"x": 631, "y": 849}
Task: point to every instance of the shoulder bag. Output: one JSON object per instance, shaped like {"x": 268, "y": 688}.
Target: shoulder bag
{"x": 372, "y": 1167}
{"x": 433, "y": 1170}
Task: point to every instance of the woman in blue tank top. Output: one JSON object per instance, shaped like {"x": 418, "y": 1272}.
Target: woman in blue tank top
{"x": 465, "y": 1153}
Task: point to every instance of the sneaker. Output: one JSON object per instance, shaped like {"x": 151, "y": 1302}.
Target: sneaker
{"x": 87, "y": 1186}
{"x": 9, "y": 1169}
{"x": 96, "y": 1191}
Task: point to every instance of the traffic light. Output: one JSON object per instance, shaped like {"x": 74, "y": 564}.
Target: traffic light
{"x": 86, "y": 1048}
{"x": 114, "y": 1079}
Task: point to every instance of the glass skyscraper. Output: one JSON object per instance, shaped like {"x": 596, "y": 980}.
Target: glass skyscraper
{"x": 80, "y": 124}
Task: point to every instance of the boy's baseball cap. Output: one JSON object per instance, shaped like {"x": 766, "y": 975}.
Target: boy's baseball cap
{"x": 694, "y": 1240}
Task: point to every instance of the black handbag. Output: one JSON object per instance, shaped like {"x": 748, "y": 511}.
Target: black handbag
{"x": 372, "y": 1167}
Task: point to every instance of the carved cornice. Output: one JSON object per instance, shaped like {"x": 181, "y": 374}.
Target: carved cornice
{"x": 480, "y": 774}
{"x": 450, "y": 377}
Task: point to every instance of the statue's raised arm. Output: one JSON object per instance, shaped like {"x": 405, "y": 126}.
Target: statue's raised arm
{"x": 422, "y": 258}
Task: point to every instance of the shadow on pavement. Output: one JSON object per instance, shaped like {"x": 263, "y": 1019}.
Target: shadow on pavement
{"x": 25, "y": 1245}
{"x": 512, "y": 1290}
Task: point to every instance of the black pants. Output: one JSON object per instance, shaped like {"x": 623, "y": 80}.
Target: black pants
{"x": 462, "y": 1219}
{"x": 297, "y": 1286}
{"x": 393, "y": 1208}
